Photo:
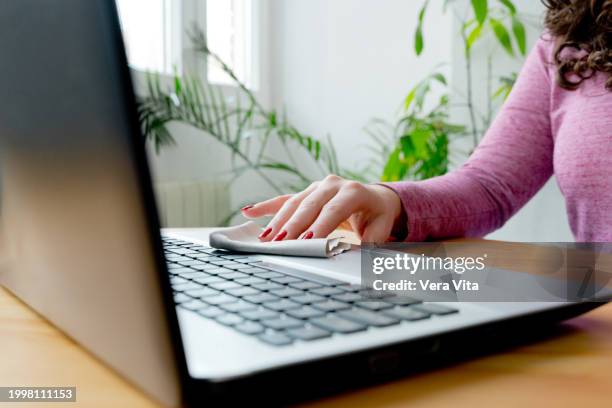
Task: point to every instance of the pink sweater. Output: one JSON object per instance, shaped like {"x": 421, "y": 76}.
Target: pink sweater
{"x": 541, "y": 130}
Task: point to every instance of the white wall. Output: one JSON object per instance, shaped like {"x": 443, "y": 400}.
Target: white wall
{"x": 339, "y": 63}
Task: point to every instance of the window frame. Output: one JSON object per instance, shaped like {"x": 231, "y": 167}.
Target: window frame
{"x": 186, "y": 13}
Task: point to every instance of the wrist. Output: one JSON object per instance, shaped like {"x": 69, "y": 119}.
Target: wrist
{"x": 395, "y": 208}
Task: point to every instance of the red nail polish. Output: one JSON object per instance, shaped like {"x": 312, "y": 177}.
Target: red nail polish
{"x": 281, "y": 235}
{"x": 247, "y": 207}
{"x": 266, "y": 232}
{"x": 308, "y": 235}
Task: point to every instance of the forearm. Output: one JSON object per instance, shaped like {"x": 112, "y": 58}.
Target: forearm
{"x": 446, "y": 207}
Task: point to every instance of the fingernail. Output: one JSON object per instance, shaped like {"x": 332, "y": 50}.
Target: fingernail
{"x": 266, "y": 232}
{"x": 308, "y": 235}
{"x": 281, "y": 235}
{"x": 247, "y": 207}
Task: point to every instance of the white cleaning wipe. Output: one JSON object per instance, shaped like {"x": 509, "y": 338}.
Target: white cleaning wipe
{"x": 244, "y": 238}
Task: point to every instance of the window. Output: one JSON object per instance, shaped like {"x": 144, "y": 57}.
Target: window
{"x": 153, "y": 32}
{"x": 228, "y": 32}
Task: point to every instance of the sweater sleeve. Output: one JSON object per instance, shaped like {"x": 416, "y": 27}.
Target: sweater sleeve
{"x": 512, "y": 163}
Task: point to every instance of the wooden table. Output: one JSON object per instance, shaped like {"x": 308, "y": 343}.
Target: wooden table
{"x": 572, "y": 369}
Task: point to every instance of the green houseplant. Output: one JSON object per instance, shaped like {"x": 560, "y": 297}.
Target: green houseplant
{"x": 416, "y": 146}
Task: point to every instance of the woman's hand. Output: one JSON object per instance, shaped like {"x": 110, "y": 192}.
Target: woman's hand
{"x": 371, "y": 210}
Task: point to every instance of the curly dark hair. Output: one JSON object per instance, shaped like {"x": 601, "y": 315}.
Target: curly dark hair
{"x": 584, "y": 26}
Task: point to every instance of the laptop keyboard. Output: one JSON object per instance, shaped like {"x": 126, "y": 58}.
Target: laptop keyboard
{"x": 280, "y": 308}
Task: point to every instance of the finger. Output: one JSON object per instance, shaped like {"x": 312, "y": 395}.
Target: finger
{"x": 273, "y": 230}
{"x": 377, "y": 230}
{"x": 348, "y": 201}
{"x": 308, "y": 210}
{"x": 265, "y": 208}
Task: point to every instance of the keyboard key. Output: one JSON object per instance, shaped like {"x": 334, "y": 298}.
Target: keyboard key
{"x": 268, "y": 274}
{"x": 435, "y": 309}
{"x": 192, "y": 263}
{"x": 202, "y": 256}
{"x": 226, "y": 263}
{"x": 322, "y": 280}
{"x": 305, "y": 285}
{"x": 217, "y": 271}
{"x": 375, "y": 294}
{"x": 402, "y": 300}
{"x": 220, "y": 299}
{"x": 176, "y": 280}
{"x": 352, "y": 288}
{"x": 202, "y": 266}
{"x": 235, "y": 256}
{"x": 242, "y": 291}
{"x": 178, "y": 258}
{"x": 331, "y": 305}
{"x": 211, "y": 312}
{"x": 182, "y": 287}
{"x": 245, "y": 269}
{"x": 283, "y": 323}
{"x": 337, "y": 324}
{"x": 348, "y": 297}
{"x": 281, "y": 305}
{"x": 225, "y": 285}
{"x": 275, "y": 339}
{"x": 214, "y": 259}
{"x": 192, "y": 275}
{"x": 207, "y": 280}
{"x": 406, "y": 313}
{"x": 174, "y": 266}
{"x": 251, "y": 269}
{"x": 251, "y": 281}
{"x": 308, "y": 333}
{"x": 182, "y": 251}
{"x": 249, "y": 259}
{"x": 229, "y": 319}
{"x": 202, "y": 292}
{"x": 260, "y": 298}
{"x": 194, "y": 305}
{"x": 267, "y": 286}
{"x": 259, "y": 314}
{"x": 231, "y": 264}
{"x": 180, "y": 298}
{"x": 239, "y": 306}
{"x": 175, "y": 258}
{"x": 305, "y": 312}
{"x": 181, "y": 269}
{"x": 367, "y": 317}
{"x": 308, "y": 298}
{"x": 285, "y": 280}
{"x": 249, "y": 328}
{"x": 327, "y": 291}
{"x": 374, "y": 305}
{"x": 235, "y": 275}
{"x": 287, "y": 292}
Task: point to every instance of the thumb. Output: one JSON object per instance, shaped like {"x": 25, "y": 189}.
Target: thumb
{"x": 378, "y": 230}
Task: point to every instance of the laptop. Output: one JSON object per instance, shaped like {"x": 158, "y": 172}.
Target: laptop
{"x": 185, "y": 323}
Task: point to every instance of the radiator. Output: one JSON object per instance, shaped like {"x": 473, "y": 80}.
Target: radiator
{"x": 192, "y": 204}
